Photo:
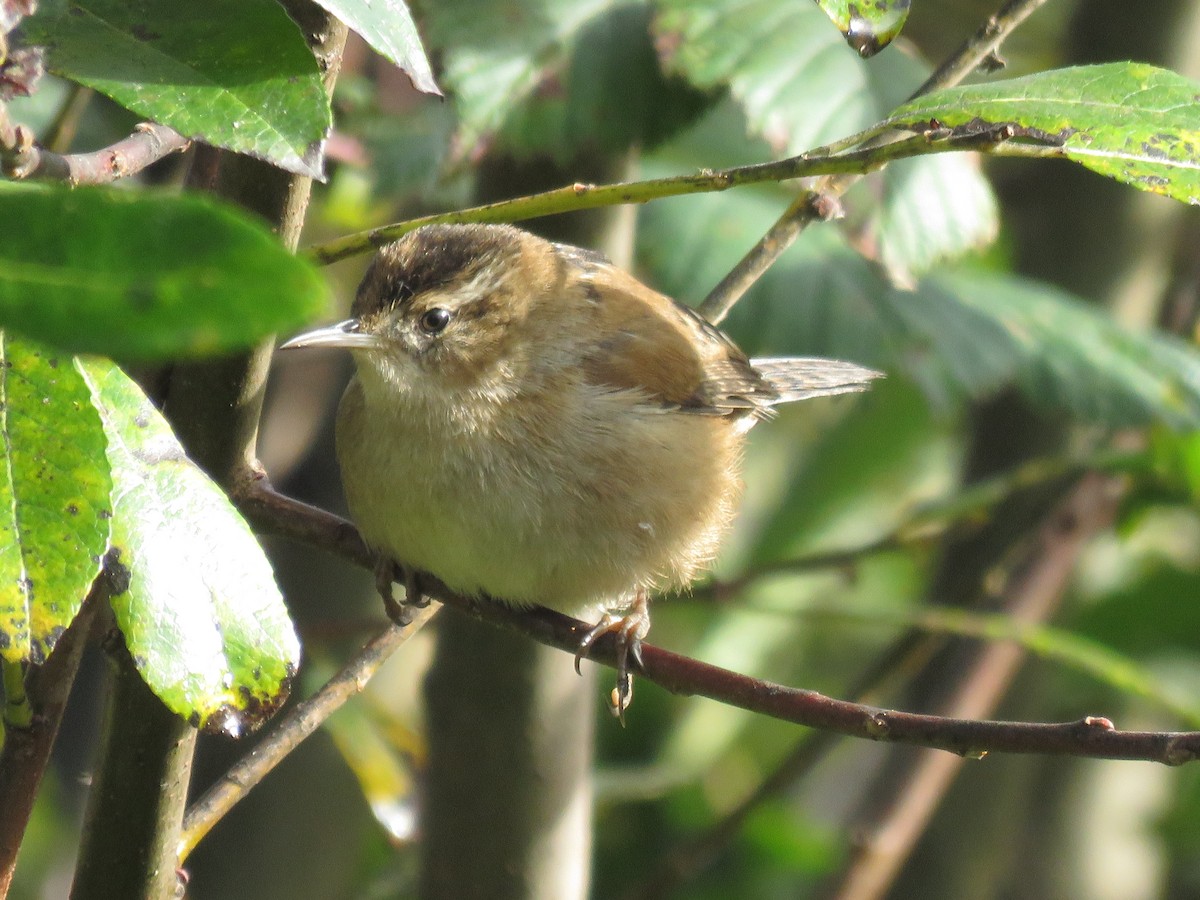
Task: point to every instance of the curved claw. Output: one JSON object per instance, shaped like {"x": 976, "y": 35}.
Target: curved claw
{"x": 400, "y": 612}
{"x": 628, "y": 631}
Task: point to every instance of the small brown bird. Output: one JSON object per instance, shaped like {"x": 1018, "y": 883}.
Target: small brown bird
{"x": 535, "y": 426}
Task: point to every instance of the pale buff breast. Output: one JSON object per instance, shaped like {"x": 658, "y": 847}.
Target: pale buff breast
{"x": 575, "y": 520}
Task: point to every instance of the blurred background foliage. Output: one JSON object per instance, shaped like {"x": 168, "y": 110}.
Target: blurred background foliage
{"x": 1012, "y": 306}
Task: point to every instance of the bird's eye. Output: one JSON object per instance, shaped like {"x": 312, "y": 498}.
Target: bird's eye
{"x": 434, "y": 321}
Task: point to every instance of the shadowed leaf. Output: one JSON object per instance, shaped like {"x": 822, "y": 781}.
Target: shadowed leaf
{"x": 145, "y": 276}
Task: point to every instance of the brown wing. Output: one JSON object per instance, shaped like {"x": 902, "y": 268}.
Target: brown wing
{"x": 653, "y": 344}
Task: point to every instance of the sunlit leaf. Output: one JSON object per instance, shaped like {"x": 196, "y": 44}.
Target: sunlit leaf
{"x": 387, "y": 25}
{"x": 240, "y": 76}
{"x": 202, "y": 616}
{"x": 1129, "y": 121}
{"x": 868, "y": 27}
{"x": 54, "y": 494}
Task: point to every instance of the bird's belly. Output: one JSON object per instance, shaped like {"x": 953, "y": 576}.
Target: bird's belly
{"x": 576, "y": 520}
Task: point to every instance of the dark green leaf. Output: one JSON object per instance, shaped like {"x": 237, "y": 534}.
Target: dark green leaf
{"x": 202, "y": 616}
{"x": 388, "y": 27}
{"x": 145, "y": 276}
{"x": 54, "y": 491}
{"x": 238, "y": 76}
{"x": 496, "y": 52}
{"x": 869, "y": 26}
{"x": 1129, "y": 121}
{"x": 558, "y": 77}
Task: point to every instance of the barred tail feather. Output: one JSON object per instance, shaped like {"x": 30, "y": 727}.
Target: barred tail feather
{"x": 799, "y": 378}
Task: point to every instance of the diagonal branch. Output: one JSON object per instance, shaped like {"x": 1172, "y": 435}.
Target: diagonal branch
{"x": 291, "y": 729}
{"x": 818, "y": 204}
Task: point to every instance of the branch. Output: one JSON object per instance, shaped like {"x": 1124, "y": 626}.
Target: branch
{"x": 690, "y": 858}
{"x": 21, "y": 158}
{"x": 292, "y": 728}
{"x": 26, "y": 751}
{"x": 577, "y": 197}
{"x": 809, "y": 207}
{"x": 980, "y": 47}
{"x": 898, "y": 813}
{"x": 819, "y": 204}
{"x": 1059, "y": 539}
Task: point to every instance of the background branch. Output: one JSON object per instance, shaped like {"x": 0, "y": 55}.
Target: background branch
{"x": 26, "y": 751}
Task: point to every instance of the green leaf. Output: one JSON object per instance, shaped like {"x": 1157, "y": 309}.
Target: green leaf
{"x": 239, "y": 76}
{"x": 1064, "y": 353}
{"x": 868, "y": 27}
{"x": 1129, "y": 121}
{"x": 799, "y": 84}
{"x": 144, "y": 275}
{"x": 389, "y": 28}
{"x": 557, "y": 76}
{"x": 933, "y": 208}
{"x": 202, "y": 617}
{"x": 54, "y": 493}
{"x": 495, "y": 52}
{"x": 603, "y": 88}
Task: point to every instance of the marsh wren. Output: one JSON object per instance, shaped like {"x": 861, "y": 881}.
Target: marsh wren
{"x": 537, "y": 427}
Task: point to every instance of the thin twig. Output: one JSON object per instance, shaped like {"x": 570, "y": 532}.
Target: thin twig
{"x": 805, "y": 209}
{"x": 886, "y": 840}
{"x": 971, "y": 505}
{"x": 21, "y": 158}
{"x": 292, "y": 728}
{"x": 589, "y": 196}
{"x": 980, "y": 47}
{"x": 691, "y": 858}
{"x": 822, "y": 201}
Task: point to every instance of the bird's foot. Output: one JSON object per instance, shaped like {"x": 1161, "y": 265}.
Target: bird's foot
{"x": 400, "y": 612}
{"x": 628, "y": 631}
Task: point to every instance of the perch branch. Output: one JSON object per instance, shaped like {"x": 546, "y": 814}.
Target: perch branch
{"x": 1058, "y": 540}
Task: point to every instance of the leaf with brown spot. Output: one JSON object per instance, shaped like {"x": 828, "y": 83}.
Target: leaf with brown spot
{"x": 54, "y": 498}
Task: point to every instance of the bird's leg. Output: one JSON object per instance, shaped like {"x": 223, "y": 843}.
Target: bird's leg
{"x": 385, "y": 574}
{"x": 628, "y": 631}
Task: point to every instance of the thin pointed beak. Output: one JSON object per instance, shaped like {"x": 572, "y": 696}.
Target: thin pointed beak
{"x": 347, "y": 334}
